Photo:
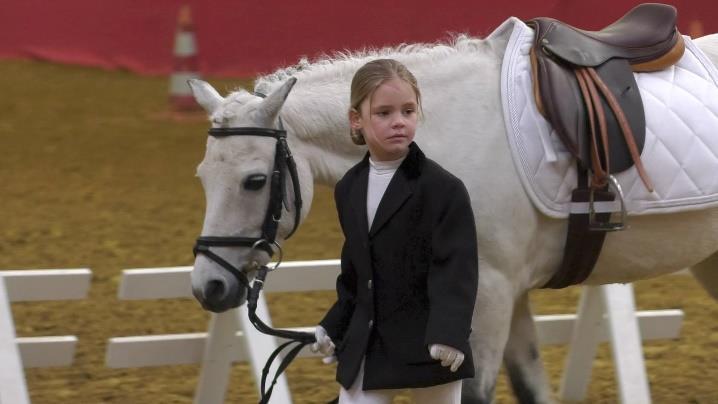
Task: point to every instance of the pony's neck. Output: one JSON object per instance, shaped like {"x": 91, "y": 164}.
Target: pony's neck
{"x": 316, "y": 109}
{"x": 319, "y": 130}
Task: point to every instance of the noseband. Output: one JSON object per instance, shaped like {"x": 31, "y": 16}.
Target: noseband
{"x": 283, "y": 164}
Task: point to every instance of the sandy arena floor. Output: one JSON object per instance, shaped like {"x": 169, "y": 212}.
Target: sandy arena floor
{"x": 92, "y": 176}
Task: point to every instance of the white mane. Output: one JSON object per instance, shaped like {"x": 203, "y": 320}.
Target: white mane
{"x": 345, "y": 63}
{"x": 316, "y": 110}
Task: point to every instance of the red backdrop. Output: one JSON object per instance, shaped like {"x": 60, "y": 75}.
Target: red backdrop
{"x": 243, "y": 38}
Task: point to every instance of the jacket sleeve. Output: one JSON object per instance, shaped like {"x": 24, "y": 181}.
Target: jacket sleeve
{"x": 336, "y": 321}
{"x": 454, "y": 271}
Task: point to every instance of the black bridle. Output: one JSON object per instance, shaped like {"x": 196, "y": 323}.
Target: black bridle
{"x": 283, "y": 164}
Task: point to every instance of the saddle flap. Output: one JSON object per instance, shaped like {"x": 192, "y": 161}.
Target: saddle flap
{"x": 617, "y": 75}
{"x": 559, "y": 97}
{"x": 563, "y": 106}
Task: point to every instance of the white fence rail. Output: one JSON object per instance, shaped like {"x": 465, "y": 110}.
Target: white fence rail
{"x": 606, "y": 313}
{"x": 17, "y": 353}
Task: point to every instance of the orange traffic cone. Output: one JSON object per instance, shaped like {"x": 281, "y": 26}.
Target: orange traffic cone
{"x": 185, "y": 63}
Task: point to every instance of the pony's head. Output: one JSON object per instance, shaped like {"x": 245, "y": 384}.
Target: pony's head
{"x": 251, "y": 192}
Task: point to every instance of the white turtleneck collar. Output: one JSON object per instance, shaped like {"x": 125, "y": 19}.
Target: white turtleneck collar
{"x": 382, "y": 167}
{"x": 380, "y": 175}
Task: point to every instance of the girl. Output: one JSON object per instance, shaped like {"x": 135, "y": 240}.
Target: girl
{"x": 409, "y": 264}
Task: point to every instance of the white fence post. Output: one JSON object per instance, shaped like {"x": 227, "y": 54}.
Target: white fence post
{"x": 13, "y": 388}
{"x": 582, "y": 349}
{"x": 626, "y": 344}
{"x": 216, "y": 364}
{"x": 18, "y": 353}
{"x": 609, "y": 309}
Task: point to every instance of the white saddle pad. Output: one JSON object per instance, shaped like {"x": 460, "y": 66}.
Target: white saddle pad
{"x": 680, "y": 152}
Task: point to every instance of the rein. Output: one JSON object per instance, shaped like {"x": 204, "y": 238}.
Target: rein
{"x": 283, "y": 164}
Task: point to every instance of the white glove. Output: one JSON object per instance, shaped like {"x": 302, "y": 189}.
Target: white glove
{"x": 324, "y": 345}
{"x": 447, "y": 355}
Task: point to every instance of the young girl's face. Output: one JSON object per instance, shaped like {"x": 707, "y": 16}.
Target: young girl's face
{"x": 388, "y": 119}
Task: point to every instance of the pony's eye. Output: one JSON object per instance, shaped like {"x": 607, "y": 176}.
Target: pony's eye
{"x": 255, "y": 182}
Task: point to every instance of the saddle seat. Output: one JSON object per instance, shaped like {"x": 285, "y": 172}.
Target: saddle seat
{"x": 646, "y": 36}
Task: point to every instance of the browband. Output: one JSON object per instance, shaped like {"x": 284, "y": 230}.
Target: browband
{"x": 223, "y": 132}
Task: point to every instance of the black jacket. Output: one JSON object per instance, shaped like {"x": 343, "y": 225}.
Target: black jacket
{"x": 409, "y": 281}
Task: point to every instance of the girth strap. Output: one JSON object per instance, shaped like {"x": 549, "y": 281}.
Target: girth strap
{"x": 583, "y": 246}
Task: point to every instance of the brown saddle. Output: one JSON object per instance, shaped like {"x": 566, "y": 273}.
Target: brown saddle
{"x": 584, "y": 85}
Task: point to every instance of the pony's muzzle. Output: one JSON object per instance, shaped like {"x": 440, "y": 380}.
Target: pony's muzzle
{"x": 216, "y": 290}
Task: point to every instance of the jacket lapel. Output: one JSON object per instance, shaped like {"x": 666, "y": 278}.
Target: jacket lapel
{"x": 358, "y": 197}
{"x": 394, "y": 197}
{"x": 398, "y": 191}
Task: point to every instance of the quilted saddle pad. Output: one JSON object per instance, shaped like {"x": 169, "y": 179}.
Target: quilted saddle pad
{"x": 680, "y": 152}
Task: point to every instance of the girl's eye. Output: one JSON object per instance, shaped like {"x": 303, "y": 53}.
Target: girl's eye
{"x": 255, "y": 182}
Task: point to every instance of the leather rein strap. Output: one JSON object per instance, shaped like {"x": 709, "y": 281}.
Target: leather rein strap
{"x": 592, "y": 87}
{"x": 299, "y": 339}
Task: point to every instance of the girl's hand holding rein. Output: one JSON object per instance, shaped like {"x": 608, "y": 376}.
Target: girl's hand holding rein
{"x": 324, "y": 345}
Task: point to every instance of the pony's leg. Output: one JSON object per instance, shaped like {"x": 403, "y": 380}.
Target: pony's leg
{"x": 490, "y": 330}
{"x": 706, "y": 273}
{"x": 522, "y": 358}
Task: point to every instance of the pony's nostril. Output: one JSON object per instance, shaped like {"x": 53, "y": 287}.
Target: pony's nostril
{"x": 214, "y": 291}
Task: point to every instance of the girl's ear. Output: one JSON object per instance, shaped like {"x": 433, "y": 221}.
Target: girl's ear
{"x": 355, "y": 119}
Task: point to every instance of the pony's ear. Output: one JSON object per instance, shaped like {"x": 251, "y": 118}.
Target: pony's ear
{"x": 273, "y": 103}
{"x": 205, "y": 95}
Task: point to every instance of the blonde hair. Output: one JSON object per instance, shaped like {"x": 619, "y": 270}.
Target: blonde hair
{"x": 369, "y": 77}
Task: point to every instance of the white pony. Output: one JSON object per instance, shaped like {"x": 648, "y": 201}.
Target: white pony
{"x": 464, "y": 131}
